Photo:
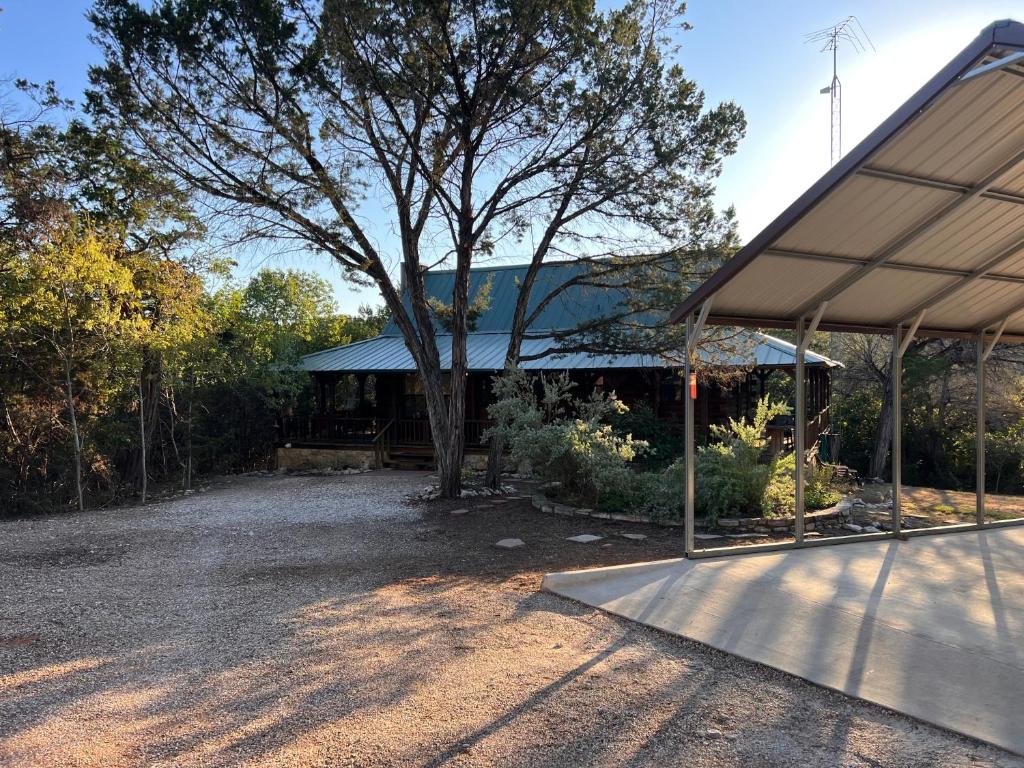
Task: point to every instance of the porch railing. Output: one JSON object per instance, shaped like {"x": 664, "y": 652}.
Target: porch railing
{"x": 417, "y": 432}
{"x": 329, "y": 428}
{"x": 347, "y": 430}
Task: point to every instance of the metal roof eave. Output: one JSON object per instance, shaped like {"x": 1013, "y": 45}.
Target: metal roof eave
{"x": 767, "y": 322}
{"x": 1000, "y": 35}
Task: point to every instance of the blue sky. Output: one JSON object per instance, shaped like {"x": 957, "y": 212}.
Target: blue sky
{"x": 748, "y": 52}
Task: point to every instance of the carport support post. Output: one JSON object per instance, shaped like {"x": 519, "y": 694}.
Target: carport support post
{"x": 688, "y": 440}
{"x": 799, "y": 432}
{"x": 979, "y": 441}
{"x": 897, "y": 427}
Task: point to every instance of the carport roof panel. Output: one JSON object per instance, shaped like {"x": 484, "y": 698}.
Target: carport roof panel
{"x": 924, "y": 214}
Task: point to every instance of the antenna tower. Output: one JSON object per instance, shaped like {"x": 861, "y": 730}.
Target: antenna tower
{"x": 849, "y": 32}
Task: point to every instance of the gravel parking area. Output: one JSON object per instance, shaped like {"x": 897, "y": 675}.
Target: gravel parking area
{"x": 304, "y": 620}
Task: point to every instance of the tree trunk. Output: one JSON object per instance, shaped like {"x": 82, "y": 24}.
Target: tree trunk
{"x": 73, "y": 419}
{"x": 494, "y": 451}
{"x": 149, "y": 398}
{"x": 883, "y": 433}
{"x": 142, "y": 442}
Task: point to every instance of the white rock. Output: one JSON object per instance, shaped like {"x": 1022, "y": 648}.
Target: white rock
{"x": 510, "y": 543}
{"x": 634, "y": 536}
{"x": 458, "y": 512}
{"x": 706, "y": 536}
{"x": 585, "y": 538}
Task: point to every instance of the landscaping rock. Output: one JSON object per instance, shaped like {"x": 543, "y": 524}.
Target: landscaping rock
{"x": 872, "y": 529}
{"x": 634, "y": 536}
{"x": 707, "y": 536}
{"x": 458, "y": 512}
{"x": 853, "y": 527}
{"x": 585, "y": 538}
{"x": 510, "y": 543}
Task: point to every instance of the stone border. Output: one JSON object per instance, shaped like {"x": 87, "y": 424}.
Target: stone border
{"x": 546, "y": 505}
{"x": 840, "y": 514}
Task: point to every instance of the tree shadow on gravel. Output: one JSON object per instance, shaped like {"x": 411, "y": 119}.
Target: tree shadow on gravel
{"x": 399, "y": 641}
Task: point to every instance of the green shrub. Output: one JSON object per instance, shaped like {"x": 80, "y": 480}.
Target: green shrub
{"x": 566, "y": 440}
{"x": 727, "y": 482}
{"x": 780, "y": 493}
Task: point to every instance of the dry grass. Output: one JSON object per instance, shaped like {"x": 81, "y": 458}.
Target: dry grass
{"x": 941, "y": 506}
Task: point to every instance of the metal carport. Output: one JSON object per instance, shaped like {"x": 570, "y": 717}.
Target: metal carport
{"x": 918, "y": 231}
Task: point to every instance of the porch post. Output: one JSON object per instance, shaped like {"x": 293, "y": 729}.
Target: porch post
{"x": 979, "y": 443}
{"x": 688, "y": 440}
{"x": 897, "y": 428}
{"x": 799, "y": 430}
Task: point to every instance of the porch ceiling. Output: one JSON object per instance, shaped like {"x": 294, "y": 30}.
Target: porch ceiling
{"x": 926, "y": 215}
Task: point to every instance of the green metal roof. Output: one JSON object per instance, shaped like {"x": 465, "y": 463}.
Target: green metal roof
{"x": 487, "y": 344}
{"x": 575, "y": 305}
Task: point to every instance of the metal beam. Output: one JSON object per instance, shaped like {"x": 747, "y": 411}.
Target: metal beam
{"x": 1004, "y": 197}
{"x": 939, "y": 184}
{"x": 988, "y": 322}
{"x": 992, "y": 66}
{"x": 920, "y": 268}
{"x": 812, "y": 328}
{"x": 757, "y": 321}
{"x": 901, "y": 242}
{"x": 976, "y": 274}
{"x": 917, "y": 181}
{"x": 995, "y": 339}
{"x": 692, "y": 337}
{"x": 911, "y": 332}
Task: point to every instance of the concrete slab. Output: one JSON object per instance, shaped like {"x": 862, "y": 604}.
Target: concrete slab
{"x": 931, "y": 627}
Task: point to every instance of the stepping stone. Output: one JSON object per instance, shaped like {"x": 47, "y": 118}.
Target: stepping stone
{"x": 458, "y": 512}
{"x": 707, "y": 536}
{"x": 510, "y": 543}
{"x": 634, "y": 536}
{"x": 585, "y": 538}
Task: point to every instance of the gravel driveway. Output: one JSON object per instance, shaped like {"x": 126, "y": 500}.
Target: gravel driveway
{"x": 280, "y": 620}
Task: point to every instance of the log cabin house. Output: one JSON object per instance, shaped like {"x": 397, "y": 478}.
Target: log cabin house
{"x": 370, "y": 408}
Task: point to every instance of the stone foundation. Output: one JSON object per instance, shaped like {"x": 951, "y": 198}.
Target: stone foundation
{"x": 300, "y": 459}
{"x": 297, "y": 459}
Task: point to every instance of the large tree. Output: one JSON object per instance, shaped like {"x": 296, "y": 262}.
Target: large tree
{"x": 456, "y": 125}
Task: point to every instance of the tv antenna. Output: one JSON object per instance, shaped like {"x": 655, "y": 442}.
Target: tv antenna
{"x": 849, "y": 32}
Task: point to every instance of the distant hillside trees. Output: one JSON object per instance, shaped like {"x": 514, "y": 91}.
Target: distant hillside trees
{"x": 119, "y": 364}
